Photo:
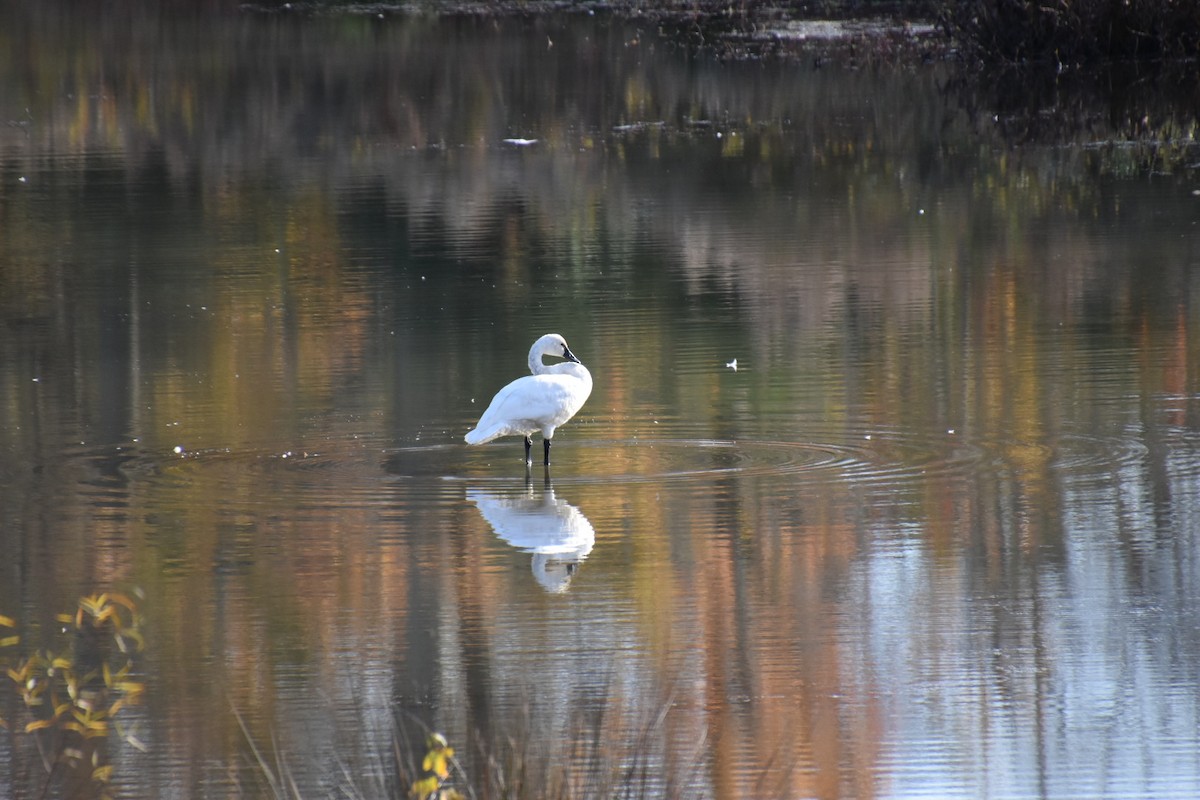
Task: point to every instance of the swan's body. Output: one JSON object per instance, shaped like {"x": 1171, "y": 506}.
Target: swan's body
{"x": 538, "y": 402}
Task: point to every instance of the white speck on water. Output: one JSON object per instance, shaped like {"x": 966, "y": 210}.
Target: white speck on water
{"x": 732, "y": 365}
{"x": 921, "y": 212}
{"x": 22, "y": 179}
{"x": 950, "y": 431}
{"x": 37, "y": 380}
{"x": 178, "y": 449}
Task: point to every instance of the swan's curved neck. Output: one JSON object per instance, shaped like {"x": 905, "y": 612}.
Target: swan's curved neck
{"x": 535, "y": 362}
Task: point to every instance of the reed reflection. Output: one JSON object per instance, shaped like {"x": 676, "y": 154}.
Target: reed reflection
{"x": 534, "y": 521}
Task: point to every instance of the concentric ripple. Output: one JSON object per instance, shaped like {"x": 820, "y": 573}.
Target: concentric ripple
{"x": 354, "y": 469}
{"x": 1081, "y": 454}
{"x": 870, "y": 458}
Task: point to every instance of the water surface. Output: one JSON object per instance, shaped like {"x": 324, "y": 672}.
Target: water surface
{"x": 936, "y": 534}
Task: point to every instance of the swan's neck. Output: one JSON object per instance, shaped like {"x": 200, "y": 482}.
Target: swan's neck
{"x": 535, "y": 363}
{"x": 558, "y": 368}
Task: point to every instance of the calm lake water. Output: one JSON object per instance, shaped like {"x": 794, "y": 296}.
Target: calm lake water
{"x": 937, "y": 535}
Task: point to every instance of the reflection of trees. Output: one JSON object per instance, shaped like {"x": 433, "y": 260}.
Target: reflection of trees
{"x": 285, "y": 206}
{"x": 1130, "y": 118}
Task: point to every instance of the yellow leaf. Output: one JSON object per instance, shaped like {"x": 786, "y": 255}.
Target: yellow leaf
{"x": 125, "y": 601}
{"x": 102, "y": 774}
{"x": 65, "y": 619}
{"x": 131, "y": 688}
{"x": 435, "y": 762}
{"x": 108, "y": 677}
{"x": 424, "y": 787}
{"x": 7, "y": 622}
{"x": 9, "y": 641}
{"x": 61, "y": 663}
{"x": 38, "y": 724}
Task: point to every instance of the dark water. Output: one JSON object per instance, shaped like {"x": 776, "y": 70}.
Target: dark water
{"x": 936, "y": 535}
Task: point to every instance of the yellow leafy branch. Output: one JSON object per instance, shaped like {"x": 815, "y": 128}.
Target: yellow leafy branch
{"x": 61, "y": 698}
{"x": 438, "y": 758}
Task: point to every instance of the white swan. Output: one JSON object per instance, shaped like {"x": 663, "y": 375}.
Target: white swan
{"x": 538, "y": 402}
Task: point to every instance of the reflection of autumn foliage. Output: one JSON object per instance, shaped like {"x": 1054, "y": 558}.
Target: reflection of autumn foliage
{"x": 309, "y": 251}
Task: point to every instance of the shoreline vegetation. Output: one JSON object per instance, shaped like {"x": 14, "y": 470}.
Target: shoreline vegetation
{"x": 1056, "y": 33}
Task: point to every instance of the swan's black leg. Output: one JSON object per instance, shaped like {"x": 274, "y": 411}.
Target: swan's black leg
{"x": 546, "y": 447}
{"x": 528, "y": 445}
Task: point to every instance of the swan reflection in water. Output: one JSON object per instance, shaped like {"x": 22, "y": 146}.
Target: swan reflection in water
{"x": 535, "y": 521}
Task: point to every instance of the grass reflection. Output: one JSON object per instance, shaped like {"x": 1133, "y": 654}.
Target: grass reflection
{"x": 605, "y": 751}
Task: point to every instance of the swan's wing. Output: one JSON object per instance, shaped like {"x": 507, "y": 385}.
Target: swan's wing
{"x": 529, "y": 404}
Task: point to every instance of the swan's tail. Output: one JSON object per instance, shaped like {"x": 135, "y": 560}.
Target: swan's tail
{"x": 482, "y": 436}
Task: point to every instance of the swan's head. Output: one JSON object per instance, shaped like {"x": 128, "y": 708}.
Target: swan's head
{"x": 552, "y": 344}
